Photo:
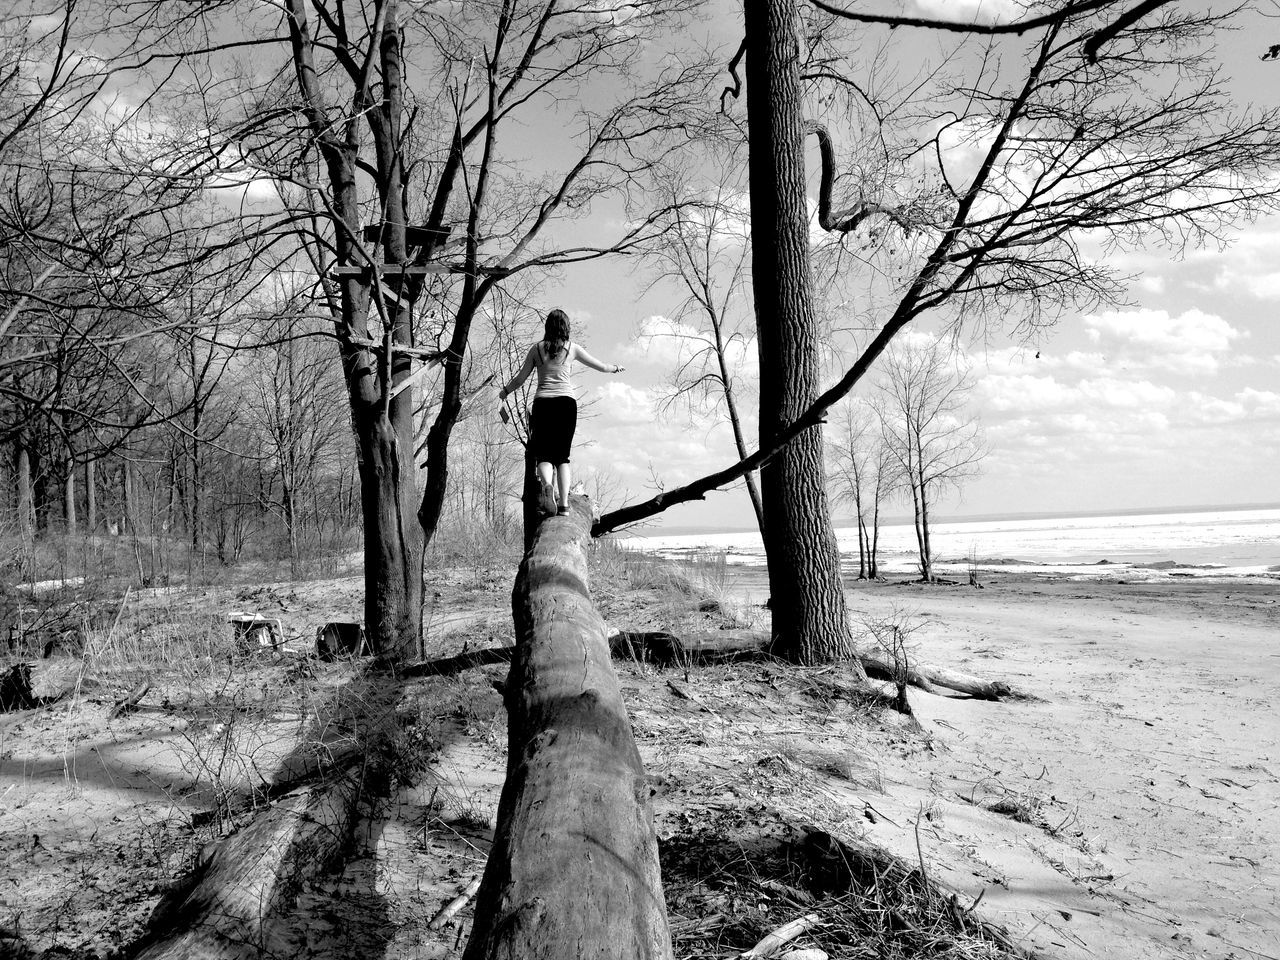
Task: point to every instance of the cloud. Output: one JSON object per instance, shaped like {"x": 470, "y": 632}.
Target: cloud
{"x": 1249, "y": 264}
{"x": 625, "y": 404}
{"x": 1191, "y": 343}
{"x": 972, "y": 11}
{"x": 670, "y": 344}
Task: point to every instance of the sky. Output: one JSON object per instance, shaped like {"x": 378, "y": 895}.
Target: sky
{"x": 1171, "y": 399}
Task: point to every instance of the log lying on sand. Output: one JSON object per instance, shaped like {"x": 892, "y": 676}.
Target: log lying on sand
{"x": 724, "y": 646}
{"x": 664, "y": 649}
{"x": 227, "y": 906}
{"x": 237, "y": 902}
{"x": 573, "y": 871}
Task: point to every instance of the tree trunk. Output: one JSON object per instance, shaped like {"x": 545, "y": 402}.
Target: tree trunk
{"x": 90, "y": 495}
{"x": 926, "y": 549}
{"x": 863, "y": 541}
{"x": 128, "y": 496}
{"x": 573, "y": 871}
{"x": 735, "y": 422}
{"x": 806, "y": 592}
{"x": 69, "y": 515}
{"x": 392, "y": 538}
{"x": 25, "y": 497}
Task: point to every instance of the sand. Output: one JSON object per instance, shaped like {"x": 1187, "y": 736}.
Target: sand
{"x": 1140, "y": 786}
{"x": 1149, "y": 765}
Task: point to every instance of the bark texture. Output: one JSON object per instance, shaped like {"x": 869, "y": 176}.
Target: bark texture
{"x": 573, "y": 871}
{"x": 229, "y": 905}
{"x": 810, "y": 622}
{"x": 237, "y": 904}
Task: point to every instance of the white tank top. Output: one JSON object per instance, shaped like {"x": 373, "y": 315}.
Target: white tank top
{"x": 553, "y": 372}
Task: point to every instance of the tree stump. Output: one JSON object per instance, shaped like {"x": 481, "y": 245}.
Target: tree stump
{"x": 573, "y": 871}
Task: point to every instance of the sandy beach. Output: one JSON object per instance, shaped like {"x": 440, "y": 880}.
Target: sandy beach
{"x": 1127, "y": 810}
{"x": 1151, "y": 760}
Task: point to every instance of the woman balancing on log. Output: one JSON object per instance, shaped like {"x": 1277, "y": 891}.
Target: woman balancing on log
{"x": 555, "y": 408}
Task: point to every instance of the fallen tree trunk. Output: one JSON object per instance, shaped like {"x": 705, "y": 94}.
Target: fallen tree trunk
{"x": 725, "y": 646}
{"x": 227, "y": 906}
{"x": 573, "y": 871}
{"x": 236, "y": 903}
{"x": 450, "y": 666}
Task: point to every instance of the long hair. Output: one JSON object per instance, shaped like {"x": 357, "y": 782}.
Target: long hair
{"x": 556, "y": 334}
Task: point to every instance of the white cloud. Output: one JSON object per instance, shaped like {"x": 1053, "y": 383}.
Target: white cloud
{"x": 1118, "y": 394}
{"x": 972, "y": 11}
{"x": 623, "y": 403}
{"x": 1260, "y": 403}
{"x": 1249, "y": 264}
{"x": 1193, "y": 342}
{"x": 670, "y": 344}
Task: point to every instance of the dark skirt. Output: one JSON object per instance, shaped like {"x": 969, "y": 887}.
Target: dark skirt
{"x": 554, "y": 420}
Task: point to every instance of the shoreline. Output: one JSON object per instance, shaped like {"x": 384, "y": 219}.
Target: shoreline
{"x": 1148, "y": 769}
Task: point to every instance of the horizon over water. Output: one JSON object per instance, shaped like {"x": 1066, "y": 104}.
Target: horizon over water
{"x": 1226, "y": 541}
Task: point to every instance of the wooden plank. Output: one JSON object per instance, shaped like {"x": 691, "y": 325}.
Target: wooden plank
{"x": 412, "y": 378}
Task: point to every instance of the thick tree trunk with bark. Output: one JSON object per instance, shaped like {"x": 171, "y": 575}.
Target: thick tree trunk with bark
{"x": 806, "y": 592}
{"x": 392, "y": 537}
{"x": 573, "y": 871}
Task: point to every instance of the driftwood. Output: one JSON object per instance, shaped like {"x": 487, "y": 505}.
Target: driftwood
{"x": 724, "y": 646}
{"x": 450, "y": 909}
{"x": 775, "y": 940}
{"x": 927, "y": 677}
{"x": 573, "y": 871}
{"x": 236, "y": 904}
{"x": 226, "y": 907}
{"x": 130, "y": 702}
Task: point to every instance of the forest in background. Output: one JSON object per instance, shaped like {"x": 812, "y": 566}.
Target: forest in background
{"x": 240, "y": 240}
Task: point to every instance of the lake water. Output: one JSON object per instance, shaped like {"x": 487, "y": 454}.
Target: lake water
{"x": 1141, "y": 546}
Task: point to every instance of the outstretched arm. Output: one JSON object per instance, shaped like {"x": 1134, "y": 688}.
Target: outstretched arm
{"x": 595, "y": 364}
{"x": 521, "y": 376}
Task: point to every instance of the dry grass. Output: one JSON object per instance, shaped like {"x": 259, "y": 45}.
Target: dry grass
{"x": 735, "y": 876}
{"x": 756, "y": 750}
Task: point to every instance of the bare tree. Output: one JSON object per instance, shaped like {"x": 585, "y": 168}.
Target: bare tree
{"x": 402, "y": 194}
{"x": 295, "y": 405}
{"x": 705, "y": 254}
{"x": 1092, "y": 121}
{"x": 925, "y": 426}
{"x": 864, "y": 475}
